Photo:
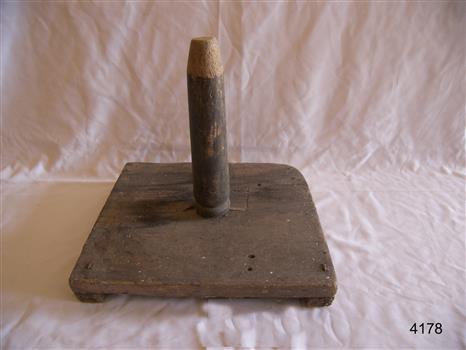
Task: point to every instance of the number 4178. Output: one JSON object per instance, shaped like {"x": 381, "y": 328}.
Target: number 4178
{"x": 426, "y": 328}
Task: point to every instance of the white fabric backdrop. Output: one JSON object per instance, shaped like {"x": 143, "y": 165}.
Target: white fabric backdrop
{"x": 366, "y": 99}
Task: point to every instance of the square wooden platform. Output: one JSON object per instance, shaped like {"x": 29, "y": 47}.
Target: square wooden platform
{"x": 148, "y": 239}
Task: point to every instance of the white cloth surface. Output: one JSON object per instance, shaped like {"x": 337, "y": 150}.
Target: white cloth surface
{"x": 366, "y": 99}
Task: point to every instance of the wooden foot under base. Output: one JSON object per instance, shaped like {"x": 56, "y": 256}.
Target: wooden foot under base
{"x": 91, "y": 298}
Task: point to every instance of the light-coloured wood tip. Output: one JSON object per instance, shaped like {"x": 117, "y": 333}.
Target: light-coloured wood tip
{"x": 204, "y": 58}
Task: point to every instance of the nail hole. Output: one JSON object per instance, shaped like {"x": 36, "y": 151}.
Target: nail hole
{"x": 249, "y": 268}
{"x": 251, "y": 256}
{"x": 259, "y": 185}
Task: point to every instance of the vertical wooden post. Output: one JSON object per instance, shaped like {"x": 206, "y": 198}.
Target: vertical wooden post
{"x": 211, "y": 180}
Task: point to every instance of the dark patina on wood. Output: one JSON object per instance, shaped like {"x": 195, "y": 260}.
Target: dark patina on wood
{"x": 211, "y": 181}
{"x": 148, "y": 239}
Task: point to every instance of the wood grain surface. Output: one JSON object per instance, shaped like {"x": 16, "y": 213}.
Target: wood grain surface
{"x": 148, "y": 239}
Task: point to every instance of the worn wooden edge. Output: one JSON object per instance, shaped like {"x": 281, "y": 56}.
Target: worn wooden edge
{"x": 204, "y": 290}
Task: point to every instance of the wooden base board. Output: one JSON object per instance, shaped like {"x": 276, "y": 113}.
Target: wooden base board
{"x": 148, "y": 239}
